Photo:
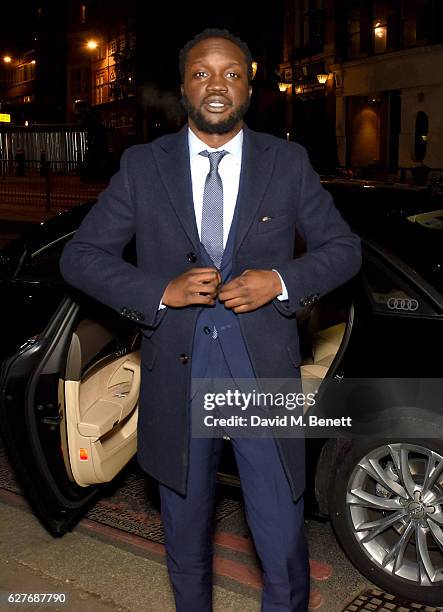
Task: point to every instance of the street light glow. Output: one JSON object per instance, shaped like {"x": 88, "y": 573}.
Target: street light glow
{"x": 92, "y": 44}
{"x": 7, "y": 59}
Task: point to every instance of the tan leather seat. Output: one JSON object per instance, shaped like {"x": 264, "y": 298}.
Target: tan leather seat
{"x": 325, "y": 344}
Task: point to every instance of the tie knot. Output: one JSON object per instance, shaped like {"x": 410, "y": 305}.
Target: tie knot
{"x": 214, "y": 158}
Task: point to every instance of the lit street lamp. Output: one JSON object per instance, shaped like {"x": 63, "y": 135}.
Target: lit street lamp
{"x": 322, "y": 78}
{"x": 284, "y": 86}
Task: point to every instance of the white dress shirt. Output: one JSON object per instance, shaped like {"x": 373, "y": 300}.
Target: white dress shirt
{"x": 229, "y": 170}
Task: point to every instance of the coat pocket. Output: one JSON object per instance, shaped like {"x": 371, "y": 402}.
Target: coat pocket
{"x": 268, "y": 224}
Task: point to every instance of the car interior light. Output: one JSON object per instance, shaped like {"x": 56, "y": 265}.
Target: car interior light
{"x": 83, "y": 453}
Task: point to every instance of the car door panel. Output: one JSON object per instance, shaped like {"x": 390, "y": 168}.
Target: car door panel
{"x": 35, "y": 399}
{"x": 101, "y": 419}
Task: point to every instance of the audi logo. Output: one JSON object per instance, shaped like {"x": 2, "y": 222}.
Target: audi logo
{"x": 402, "y": 304}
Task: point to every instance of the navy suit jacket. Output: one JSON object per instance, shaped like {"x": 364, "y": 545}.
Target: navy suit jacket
{"x": 151, "y": 197}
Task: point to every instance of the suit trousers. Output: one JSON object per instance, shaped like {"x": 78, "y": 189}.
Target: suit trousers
{"x": 275, "y": 520}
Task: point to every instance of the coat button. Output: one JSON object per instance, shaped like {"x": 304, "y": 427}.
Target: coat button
{"x": 191, "y": 257}
{"x": 184, "y": 358}
{"x": 207, "y": 330}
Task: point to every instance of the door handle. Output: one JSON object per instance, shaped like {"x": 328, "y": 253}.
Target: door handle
{"x": 130, "y": 399}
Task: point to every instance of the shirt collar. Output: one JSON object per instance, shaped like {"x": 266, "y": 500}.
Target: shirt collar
{"x": 233, "y": 146}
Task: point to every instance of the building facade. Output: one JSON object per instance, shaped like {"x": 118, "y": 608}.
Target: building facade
{"x": 379, "y": 110}
{"x": 101, "y": 74}
{"x": 32, "y": 81}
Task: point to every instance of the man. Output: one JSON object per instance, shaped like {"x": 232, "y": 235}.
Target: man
{"x": 215, "y": 210}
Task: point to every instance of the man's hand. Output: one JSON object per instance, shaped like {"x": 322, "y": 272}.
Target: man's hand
{"x": 250, "y": 290}
{"x": 198, "y": 286}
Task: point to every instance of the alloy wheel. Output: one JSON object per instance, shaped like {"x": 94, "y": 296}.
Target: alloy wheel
{"x": 395, "y": 507}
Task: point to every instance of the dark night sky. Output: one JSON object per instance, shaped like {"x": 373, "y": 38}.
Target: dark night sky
{"x": 257, "y": 24}
{"x": 15, "y": 26}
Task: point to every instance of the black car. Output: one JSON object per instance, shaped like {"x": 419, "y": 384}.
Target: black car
{"x": 69, "y": 390}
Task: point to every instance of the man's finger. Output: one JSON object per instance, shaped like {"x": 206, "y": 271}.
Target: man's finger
{"x": 204, "y": 287}
{"x": 234, "y": 282}
{"x": 204, "y": 273}
{"x": 202, "y": 299}
{"x": 243, "y": 308}
{"x": 213, "y": 294}
{"x": 235, "y": 302}
{"x": 228, "y": 294}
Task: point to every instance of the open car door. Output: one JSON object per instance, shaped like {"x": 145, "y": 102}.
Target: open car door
{"x": 69, "y": 407}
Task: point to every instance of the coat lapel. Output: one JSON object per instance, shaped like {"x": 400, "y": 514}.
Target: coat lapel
{"x": 172, "y": 156}
{"x": 256, "y": 171}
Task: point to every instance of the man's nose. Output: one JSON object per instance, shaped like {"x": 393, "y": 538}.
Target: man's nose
{"x": 217, "y": 83}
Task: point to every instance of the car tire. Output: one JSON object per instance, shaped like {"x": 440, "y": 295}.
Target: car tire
{"x": 353, "y": 488}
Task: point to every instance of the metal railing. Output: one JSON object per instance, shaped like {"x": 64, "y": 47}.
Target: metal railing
{"x": 49, "y": 184}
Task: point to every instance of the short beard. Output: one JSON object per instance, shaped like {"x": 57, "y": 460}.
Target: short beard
{"x": 222, "y": 127}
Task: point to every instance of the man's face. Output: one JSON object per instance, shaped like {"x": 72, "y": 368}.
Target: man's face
{"x": 215, "y": 90}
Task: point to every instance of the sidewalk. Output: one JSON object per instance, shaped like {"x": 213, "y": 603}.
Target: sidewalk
{"x": 95, "y": 576}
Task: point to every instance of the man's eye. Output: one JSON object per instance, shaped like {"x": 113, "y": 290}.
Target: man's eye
{"x": 200, "y": 73}
{"x": 233, "y": 74}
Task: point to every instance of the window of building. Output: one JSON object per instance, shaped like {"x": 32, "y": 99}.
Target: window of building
{"x": 409, "y": 22}
{"x": 353, "y": 31}
{"x": 83, "y": 13}
{"x": 18, "y": 75}
{"x": 112, "y": 47}
{"x": 99, "y": 87}
{"x": 379, "y": 26}
{"x": 314, "y": 25}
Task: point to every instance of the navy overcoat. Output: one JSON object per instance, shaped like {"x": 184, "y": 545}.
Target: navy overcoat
{"x": 279, "y": 196}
